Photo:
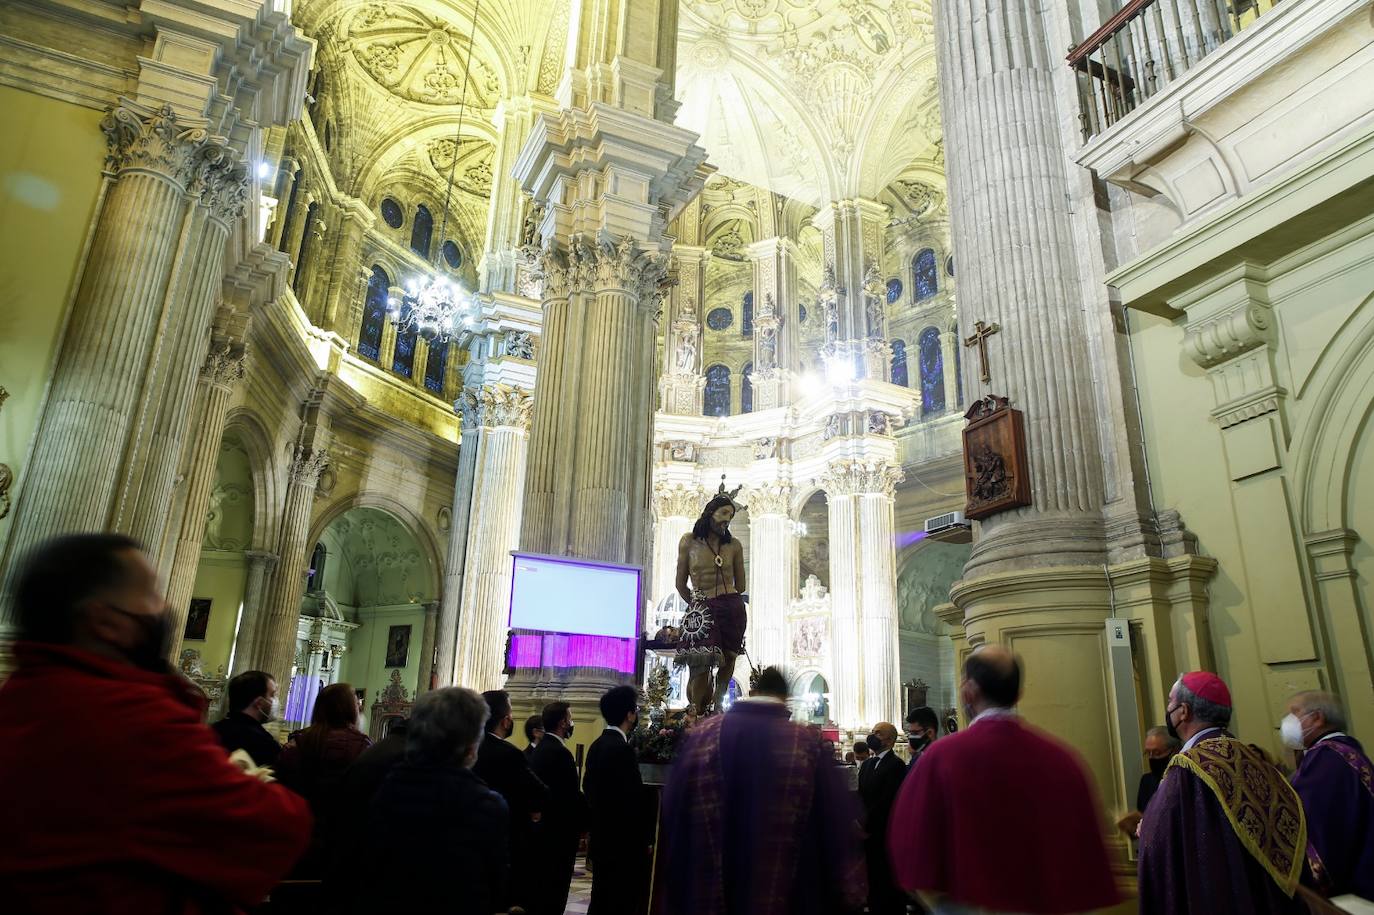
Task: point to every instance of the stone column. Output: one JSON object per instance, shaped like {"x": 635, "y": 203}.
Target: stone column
{"x": 260, "y": 568}
{"x": 853, "y": 236}
{"x": 776, "y": 348}
{"x": 274, "y": 643}
{"x": 92, "y": 405}
{"x": 450, "y": 596}
{"x": 289, "y": 170}
{"x": 170, "y": 386}
{"x": 427, "y": 637}
{"x": 772, "y": 571}
{"x": 863, "y": 588}
{"x": 514, "y": 119}
{"x": 502, "y": 414}
{"x": 354, "y": 219}
{"x": 222, "y": 369}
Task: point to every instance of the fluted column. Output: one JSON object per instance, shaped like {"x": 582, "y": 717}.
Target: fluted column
{"x": 502, "y": 414}
{"x": 863, "y": 587}
{"x": 180, "y": 351}
{"x": 777, "y": 351}
{"x": 514, "y": 118}
{"x": 772, "y": 571}
{"x": 427, "y": 636}
{"x": 852, "y": 231}
{"x": 260, "y": 568}
{"x": 1010, "y": 202}
{"x": 275, "y": 641}
{"x": 223, "y": 367}
{"x": 451, "y": 595}
{"x": 95, "y": 390}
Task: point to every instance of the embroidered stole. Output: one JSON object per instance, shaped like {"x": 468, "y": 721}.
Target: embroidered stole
{"x": 1263, "y": 809}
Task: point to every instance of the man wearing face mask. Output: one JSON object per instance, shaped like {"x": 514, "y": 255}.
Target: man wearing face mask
{"x": 1225, "y": 832}
{"x": 564, "y": 818}
{"x": 114, "y": 795}
{"x": 1335, "y": 781}
{"x": 879, "y": 782}
{"x": 252, "y": 702}
{"x": 620, "y": 823}
{"x": 506, "y": 770}
{"x": 1160, "y": 747}
{"x": 922, "y": 727}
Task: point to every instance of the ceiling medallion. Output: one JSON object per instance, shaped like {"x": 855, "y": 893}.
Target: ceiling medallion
{"x": 420, "y": 57}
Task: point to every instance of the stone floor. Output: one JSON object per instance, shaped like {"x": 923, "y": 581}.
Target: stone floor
{"x": 581, "y": 893}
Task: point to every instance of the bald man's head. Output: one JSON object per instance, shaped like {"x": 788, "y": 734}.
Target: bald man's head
{"x": 992, "y": 678}
{"x": 887, "y": 733}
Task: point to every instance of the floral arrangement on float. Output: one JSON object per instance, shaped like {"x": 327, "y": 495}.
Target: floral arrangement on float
{"x": 660, "y": 731}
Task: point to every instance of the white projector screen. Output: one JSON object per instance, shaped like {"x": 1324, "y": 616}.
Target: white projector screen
{"x": 576, "y": 596}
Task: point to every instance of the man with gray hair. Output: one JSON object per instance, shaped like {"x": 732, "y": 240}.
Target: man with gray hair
{"x": 1336, "y": 783}
{"x": 1159, "y": 749}
{"x": 1225, "y": 833}
{"x": 454, "y": 853}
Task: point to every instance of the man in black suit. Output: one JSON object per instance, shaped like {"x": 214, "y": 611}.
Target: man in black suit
{"x": 620, "y": 831}
{"x": 252, "y": 701}
{"x": 565, "y": 816}
{"x": 507, "y": 772}
{"x": 922, "y": 727}
{"x": 879, "y": 780}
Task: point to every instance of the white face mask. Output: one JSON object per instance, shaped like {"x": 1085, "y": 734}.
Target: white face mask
{"x": 1290, "y": 732}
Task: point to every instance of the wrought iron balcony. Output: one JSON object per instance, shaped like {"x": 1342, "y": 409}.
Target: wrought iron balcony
{"x": 1148, "y": 45}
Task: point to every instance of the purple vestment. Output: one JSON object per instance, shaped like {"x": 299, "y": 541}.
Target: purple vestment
{"x": 756, "y": 821}
{"x": 1193, "y": 860}
{"x": 1336, "y": 783}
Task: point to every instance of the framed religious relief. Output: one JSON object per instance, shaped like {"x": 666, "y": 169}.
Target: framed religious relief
{"x": 397, "y": 646}
{"x": 197, "y": 619}
{"x": 995, "y": 466}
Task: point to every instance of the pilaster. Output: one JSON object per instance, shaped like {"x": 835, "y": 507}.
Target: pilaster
{"x": 853, "y": 237}
{"x": 777, "y": 350}
{"x": 261, "y": 565}
{"x": 772, "y": 571}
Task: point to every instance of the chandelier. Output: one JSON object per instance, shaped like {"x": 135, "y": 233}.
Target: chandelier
{"x": 437, "y": 307}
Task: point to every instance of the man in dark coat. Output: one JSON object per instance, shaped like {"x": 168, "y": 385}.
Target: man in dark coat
{"x": 506, "y": 770}
{"x": 1159, "y": 749}
{"x": 922, "y": 728}
{"x": 252, "y": 697}
{"x": 565, "y": 817}
{"x": 757, "y": 819}
{"x": 1335, "y": 781}
{"x": 437, "y": 835}
{"x": 620, "y": 826}
{"x": 879, "y": 781}
{"x": 114, "y": 795}
{"x": 1225, "y": 833}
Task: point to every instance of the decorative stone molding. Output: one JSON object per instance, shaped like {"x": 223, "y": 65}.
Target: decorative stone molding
{"x": 519, "y": 344}
{"x": 1252, "y": 406}
{"x": 1220, "y": 337}
{"x": 307, "y": 465}
{"x": 858, "y": 477}
{"x": 495, "y": 405}
{"x": 674, "y": 500}
{"x": 151, "y": 140}
{"x": 221, "y": 182}
{"x": 224, "y": 364}
{"x": 589, "y": 265}
{"x": 772, "y": 498}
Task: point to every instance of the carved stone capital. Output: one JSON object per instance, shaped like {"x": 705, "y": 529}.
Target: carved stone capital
{"x": 224, "y": 364}
{"x": 772, "y": 498}
{"x": 221, "y": 182}
{"x": 495, "y": 405}
{"x": 151, "y": 140}
{"x": 1228, "y": 334}
{"x": 519, "y": 344}
{"x": 857, "y": 477}
{"x": 307, "y": 465}
{"x": 674, "y": 500}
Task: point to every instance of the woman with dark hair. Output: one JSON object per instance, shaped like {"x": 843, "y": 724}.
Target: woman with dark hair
{"x": 313, "y": 765}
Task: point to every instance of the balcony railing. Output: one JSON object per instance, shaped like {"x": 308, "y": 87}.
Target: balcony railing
{"x": 1146, "y": 46}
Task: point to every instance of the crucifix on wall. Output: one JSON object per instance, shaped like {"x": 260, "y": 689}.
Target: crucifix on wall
{"x": 981, "y": 332}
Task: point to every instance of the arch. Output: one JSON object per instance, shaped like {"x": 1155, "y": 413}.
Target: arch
{"x": 426, "y": 538}
{"x": 403, "y": 356}
{"x": 746, "y": 389}
{"x": 894, "y": 290}
{"x": 374, "y": 315}
{"x": 931, "y": 361}
{"x": 267, "y": 493}
{"x": 421, "y": 231}
{"x": 717, "y": 399}
{"x": 899, "y": 370}
{"x": 1340, "y": 413}
{"x": 925, "y": 275}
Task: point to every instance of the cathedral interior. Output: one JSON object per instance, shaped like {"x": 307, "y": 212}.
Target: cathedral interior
{"x": 789, "y": 246}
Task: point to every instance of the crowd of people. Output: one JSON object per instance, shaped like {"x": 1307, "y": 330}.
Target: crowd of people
{"x": 117, "y": 798}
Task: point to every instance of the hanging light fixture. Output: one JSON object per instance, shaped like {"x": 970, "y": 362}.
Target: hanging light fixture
{"x": 437, "y": 307}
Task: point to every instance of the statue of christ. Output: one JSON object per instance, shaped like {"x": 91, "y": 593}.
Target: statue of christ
{"x": 712, "y": 634}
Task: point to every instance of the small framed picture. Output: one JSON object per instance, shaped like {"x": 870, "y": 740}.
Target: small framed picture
{"x": 397, "y": 646}
{"x": 197, "y": 619}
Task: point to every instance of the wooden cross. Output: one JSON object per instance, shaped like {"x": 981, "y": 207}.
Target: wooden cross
{"x": 981, "y": 332}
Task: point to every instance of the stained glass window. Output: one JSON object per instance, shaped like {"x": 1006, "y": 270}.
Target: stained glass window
{"x": 453, "y": 255}
{"x": 717, "y": 391}
{"x": 746, "y": 389}
{"x": 925, "y": 274}
{"x": 403, "y": 359}
{"x": 894, "y": 290}
{"x": 392, "y": 214}
{"x": 932, "y": 362}
{"x": 421, "y": 231}
{"x": 746, "y": 328}
{"x": 374, "y": 315}
{"x": 899, "y": 375}
{"x": 435, "y": 366}
{"x": 719, "y": 318}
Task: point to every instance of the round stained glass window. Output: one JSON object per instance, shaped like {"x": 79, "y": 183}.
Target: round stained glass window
{"x": 719, "y": 318}
{"x": 392, "y": 214}
{"x": 894, "y": 290}
{"x": 453, "y": 255}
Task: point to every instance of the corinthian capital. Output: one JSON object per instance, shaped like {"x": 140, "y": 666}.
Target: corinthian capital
{"x": 774, "y": 498}
{"x": 857, "y": 477}
{"x": 224, "y": 364}
{"x": 674, "y": 500}
{"x": 151, "y": 140}
{"x": 221, "y": 182}
{"x": 495, "y": 405}
{"x": 308, "y": 464}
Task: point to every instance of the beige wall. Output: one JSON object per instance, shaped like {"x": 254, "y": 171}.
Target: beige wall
{"x": 50, "y": 159}
{"x": 220, "y": 577}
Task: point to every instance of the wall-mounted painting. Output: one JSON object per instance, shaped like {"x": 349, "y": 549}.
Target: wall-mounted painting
{"x": 197, "y": 618}
{"x": 397, "y": 646}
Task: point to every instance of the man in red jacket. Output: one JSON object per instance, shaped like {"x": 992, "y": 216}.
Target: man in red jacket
{"x": 114, "y": 795}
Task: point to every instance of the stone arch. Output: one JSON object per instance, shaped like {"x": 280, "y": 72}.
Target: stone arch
{"x": 268, "y": 493}
{"x": 417, "y": 527}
